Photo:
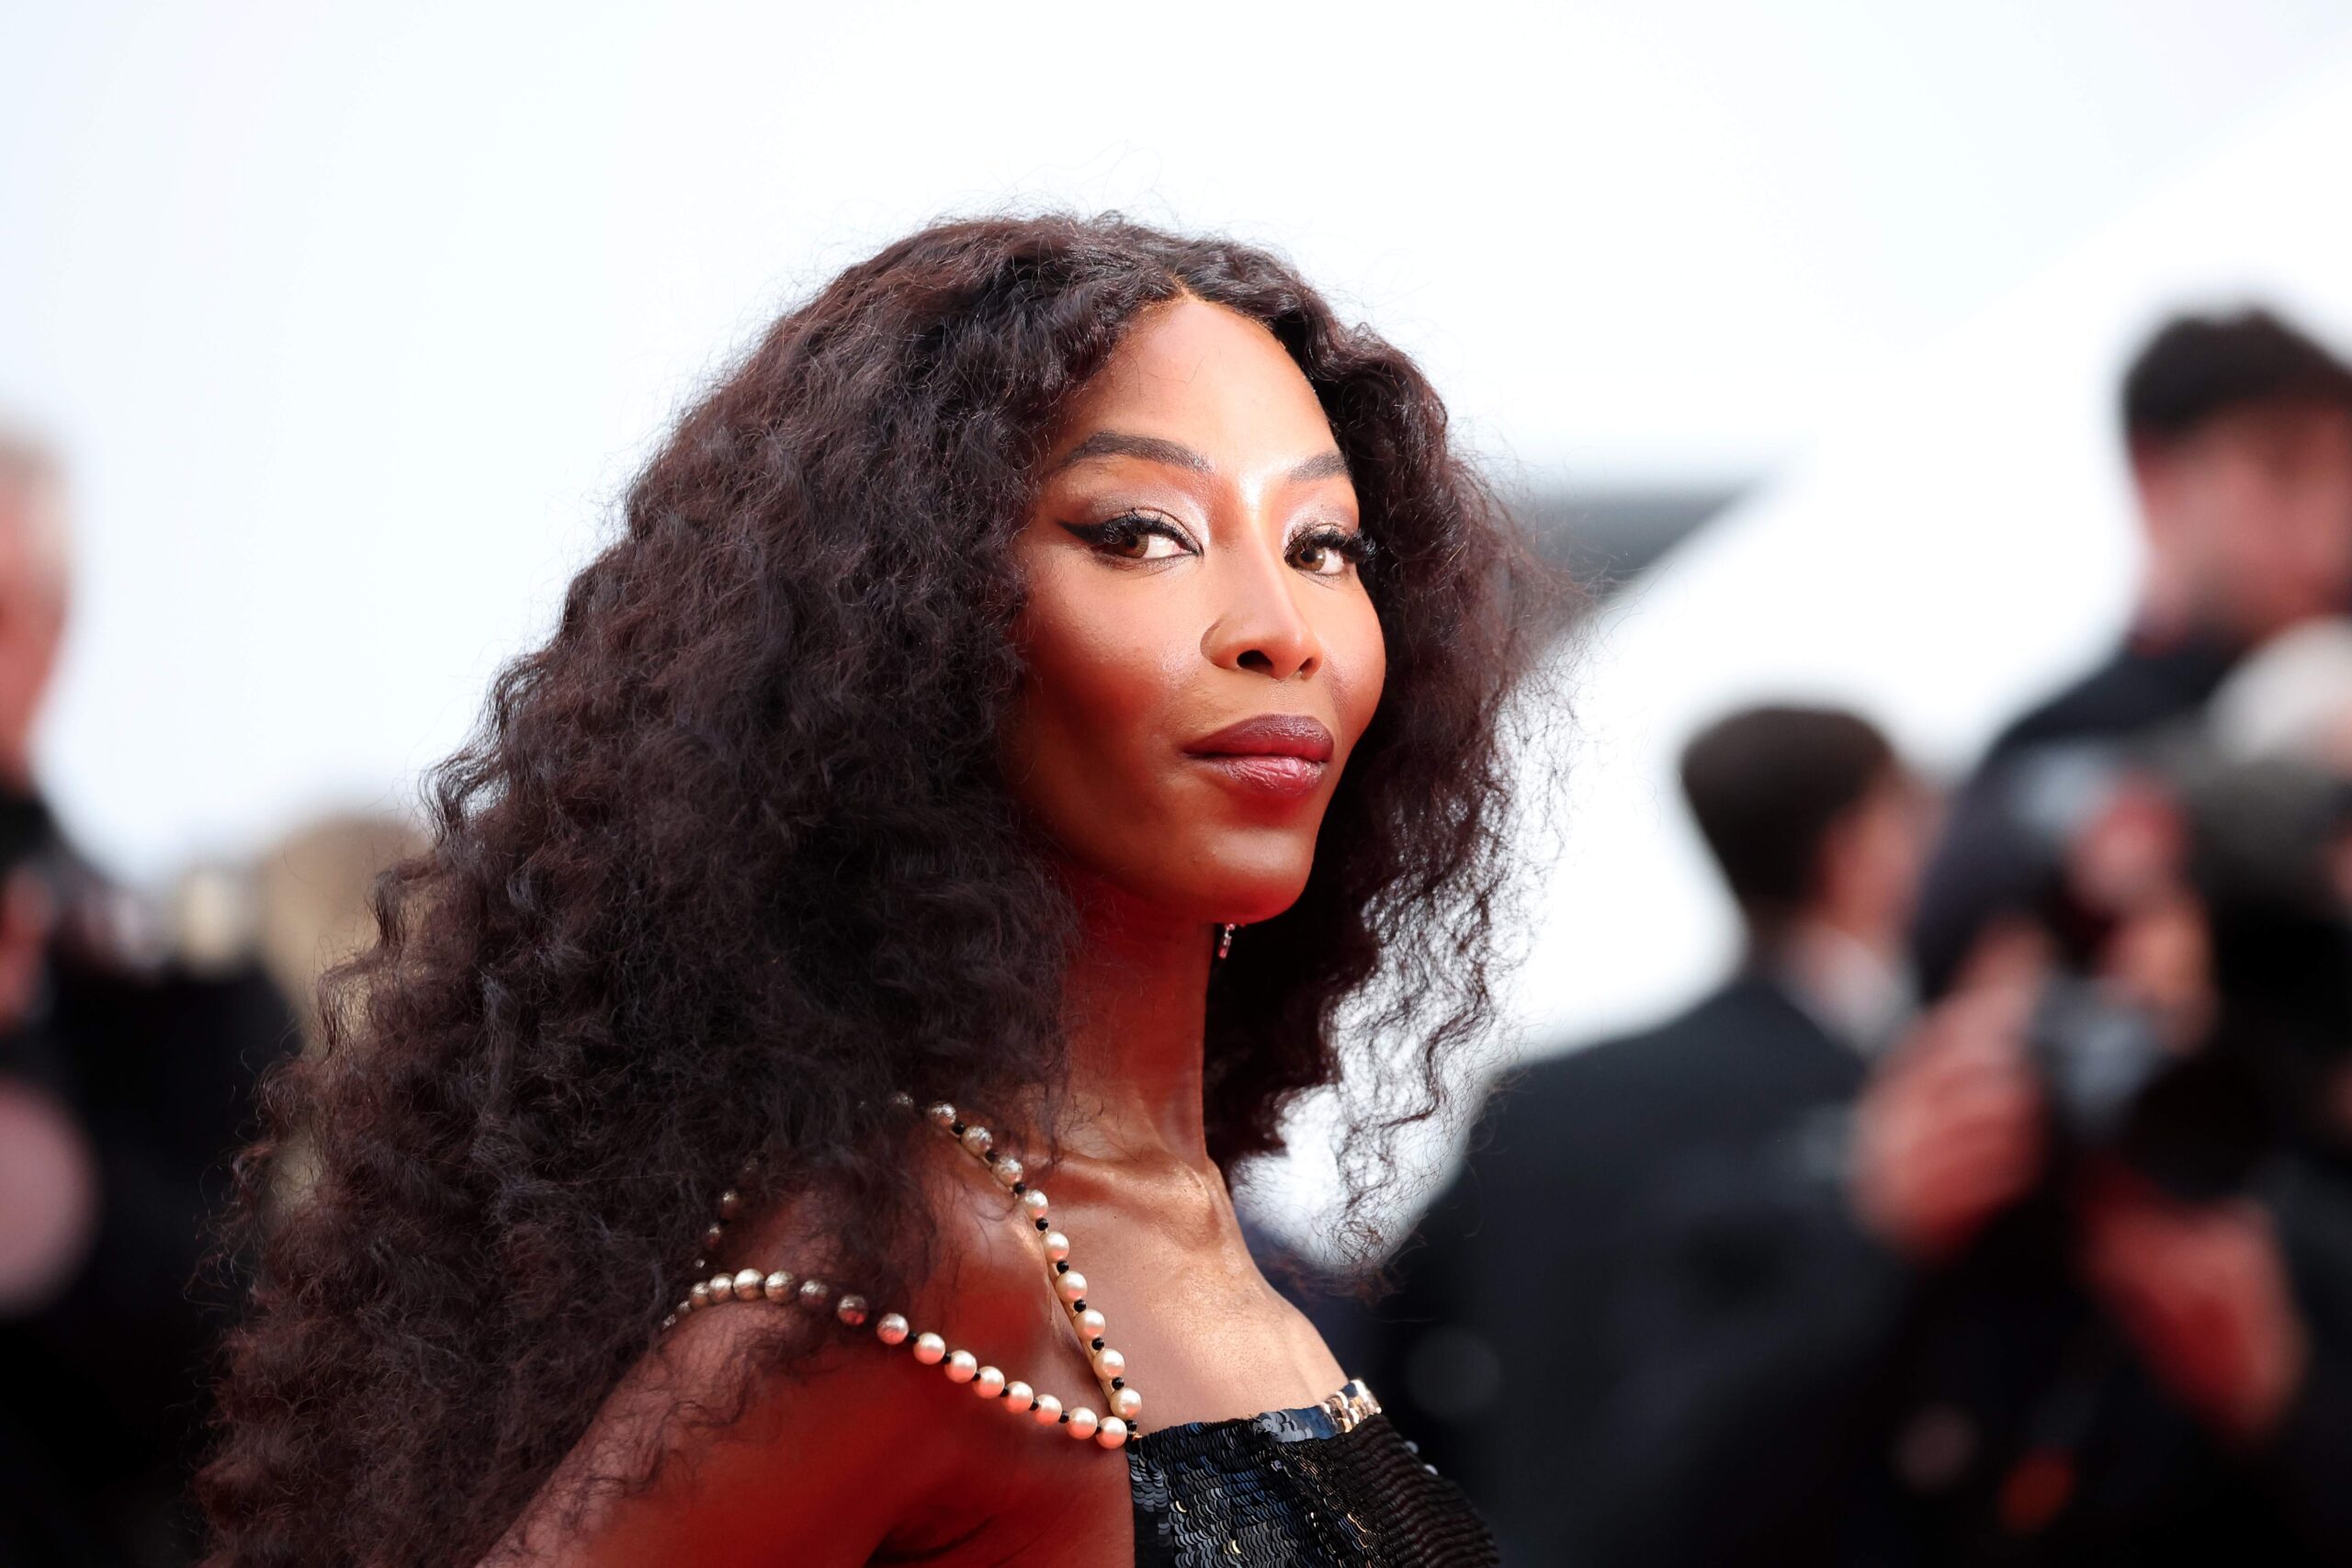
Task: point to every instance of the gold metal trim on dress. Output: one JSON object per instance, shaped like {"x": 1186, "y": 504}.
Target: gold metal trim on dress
{"x": 1352, "y": 1405}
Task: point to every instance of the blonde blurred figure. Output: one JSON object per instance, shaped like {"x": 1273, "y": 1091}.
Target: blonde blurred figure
{"x": 312, "y": 899}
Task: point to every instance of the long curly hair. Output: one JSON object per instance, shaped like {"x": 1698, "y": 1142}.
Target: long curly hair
{"x": 731, "y": 862}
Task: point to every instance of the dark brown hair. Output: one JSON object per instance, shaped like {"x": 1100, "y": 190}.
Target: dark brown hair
{"x": 730, "y": 862}
{"x": 2197, "y": 368}
{"x": 1765, "y": 784}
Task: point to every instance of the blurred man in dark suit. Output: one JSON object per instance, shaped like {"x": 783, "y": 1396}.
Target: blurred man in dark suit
{"x": 2074, "y": 1286}
{"x": 127, "y": 1072}
{"x": 1497, "y": 1333}
{"x": 2239, "y": 432}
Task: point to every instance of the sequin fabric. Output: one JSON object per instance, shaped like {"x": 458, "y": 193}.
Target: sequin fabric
{"x": 1289, "y": 1489}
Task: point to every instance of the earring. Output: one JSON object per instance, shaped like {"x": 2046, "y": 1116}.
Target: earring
{"x": 1225, "y": 943}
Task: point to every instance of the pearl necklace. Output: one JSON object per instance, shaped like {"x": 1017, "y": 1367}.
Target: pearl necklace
{"x": 931, "y": 1350}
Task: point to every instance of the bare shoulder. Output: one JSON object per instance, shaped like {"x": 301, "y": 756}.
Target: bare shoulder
{"x": 774, "y": 1433}
{"x": 986, "y": 1288}
{"x": 735, "y": 1440}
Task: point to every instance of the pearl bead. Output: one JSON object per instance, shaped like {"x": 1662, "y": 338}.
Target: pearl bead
{"x": 902, "y": 1100}
{"x": 684, "y": 1307}
{"x": 671, "y": 1321}
{"x": 1111, "y": 1430}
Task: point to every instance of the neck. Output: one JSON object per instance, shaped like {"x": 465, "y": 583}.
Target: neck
{"x": 1848, "y": 973}
{"x": 2177, "y": 607}
{"x": 1136, "y": 1003}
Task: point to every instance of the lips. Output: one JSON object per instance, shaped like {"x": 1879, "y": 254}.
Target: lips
{"x": 1282, "y": 755}
{"x": 1273, "y": 735}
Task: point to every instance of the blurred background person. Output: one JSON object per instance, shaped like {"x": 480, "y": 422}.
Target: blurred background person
{"x": 2077, "y": 1284}
{"x": 2079, "y": 1288}
{"x": 128, "y": 1055}
{"x": 1496, "y": 1334}
{"x": 2238, "y": 430}
{"x": 2067, "y": 1277}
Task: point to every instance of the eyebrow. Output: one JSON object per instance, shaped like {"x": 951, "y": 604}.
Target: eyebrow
{"x": 1150, "y": 449}
{"x": 1328, "y": 465}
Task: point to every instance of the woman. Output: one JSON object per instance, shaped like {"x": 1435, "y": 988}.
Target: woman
{"x": 1053, "y": 674}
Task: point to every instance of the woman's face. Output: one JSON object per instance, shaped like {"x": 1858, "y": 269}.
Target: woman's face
{"x": 1202, "y": 655}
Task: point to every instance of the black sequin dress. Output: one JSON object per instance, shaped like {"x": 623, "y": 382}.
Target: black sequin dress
{"x": 1331, "y": 1485}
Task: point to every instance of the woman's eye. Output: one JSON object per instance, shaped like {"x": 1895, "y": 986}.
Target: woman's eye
{"x": 1134, "y": 537}
{"x": 1328, "y": 552}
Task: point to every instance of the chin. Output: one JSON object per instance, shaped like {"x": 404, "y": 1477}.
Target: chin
{"x": 1183, "y": 869}
{"x": 1248, "y": 888}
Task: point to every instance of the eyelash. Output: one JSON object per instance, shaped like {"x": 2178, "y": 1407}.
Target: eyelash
{"x": 1123, "y": 531}
{"x": 1353, "y": 549}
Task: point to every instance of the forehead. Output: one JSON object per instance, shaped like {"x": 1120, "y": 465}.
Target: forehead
{"x": 1208, "y": 377}
{"x": 2293, "y": 429}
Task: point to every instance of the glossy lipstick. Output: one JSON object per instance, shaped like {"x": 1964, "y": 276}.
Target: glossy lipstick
{"x": 1284, "y": 755}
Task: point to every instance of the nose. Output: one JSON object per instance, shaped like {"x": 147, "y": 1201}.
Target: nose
{"x": 1258, "y": 625}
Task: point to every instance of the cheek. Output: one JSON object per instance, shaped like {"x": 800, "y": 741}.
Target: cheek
{"x": 2327, "y": 512}
{"x": 1359, "y": 659}
{"x": 1100, "y": 674}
